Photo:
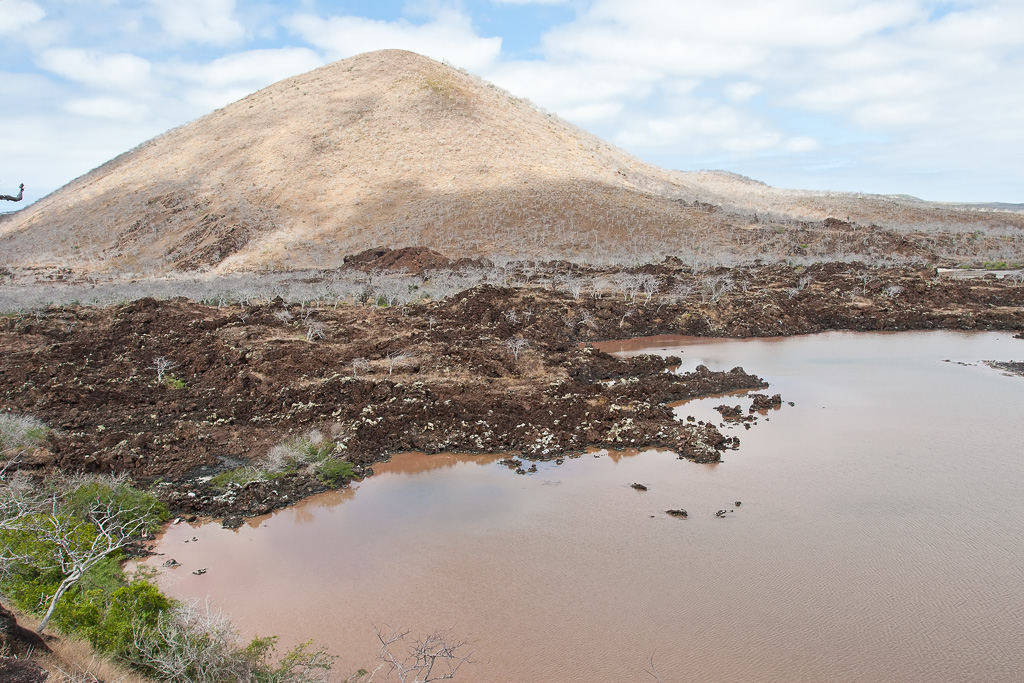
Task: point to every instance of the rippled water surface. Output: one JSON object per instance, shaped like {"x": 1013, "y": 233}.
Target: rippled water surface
{"x": 880, "y": 537}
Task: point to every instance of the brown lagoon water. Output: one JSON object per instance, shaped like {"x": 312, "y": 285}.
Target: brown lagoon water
{"x": 881, "y": 536}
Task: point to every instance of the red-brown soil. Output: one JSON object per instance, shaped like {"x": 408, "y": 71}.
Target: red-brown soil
{"x": 252, "y": 378}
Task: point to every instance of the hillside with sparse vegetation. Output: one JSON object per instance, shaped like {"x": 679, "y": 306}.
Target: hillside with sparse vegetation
{"x": 391, "y": 148}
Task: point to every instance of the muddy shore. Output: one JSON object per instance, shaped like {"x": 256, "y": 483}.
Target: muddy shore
{"x": 430, "y": 376}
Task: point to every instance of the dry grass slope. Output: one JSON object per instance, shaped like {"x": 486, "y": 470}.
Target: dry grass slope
{"x": 391, "y": 148}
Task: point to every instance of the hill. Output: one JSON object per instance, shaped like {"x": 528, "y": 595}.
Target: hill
{"x": 391, "y": 148}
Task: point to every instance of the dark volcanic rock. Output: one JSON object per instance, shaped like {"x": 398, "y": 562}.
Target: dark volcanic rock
{"x": 762, "y": 402}
{"x": 248, "y": 377}
{"x": 730, "y": 412}
{"x": 16, "y": 639}
{"x": 22, "y": 671}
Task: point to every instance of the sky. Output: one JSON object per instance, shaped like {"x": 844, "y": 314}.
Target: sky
{"x": 918, "y": 97}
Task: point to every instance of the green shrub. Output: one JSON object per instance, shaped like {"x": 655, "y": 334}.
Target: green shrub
{"x": 174, "y": 383}
{"x": 131, "y": 609}
{"x": 299, "y": 665}
{"x": 119, "y": 495}
{"x": 239, "y": 476}
{"x": 30, "y": 587}
{"x": 334, "y": 473}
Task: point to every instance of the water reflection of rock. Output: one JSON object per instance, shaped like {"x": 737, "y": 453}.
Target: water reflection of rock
{"x": 416, "y": 463}
{"x": 305, "y": 510}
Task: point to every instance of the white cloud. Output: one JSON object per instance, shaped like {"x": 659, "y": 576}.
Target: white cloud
{"x": 931, "y": 94}
{"x": 200, "y": 21}
{"x": 590, "y": 114}
{"x": 699, "y": 126}
{"x": 16, "y": 15}
{"x": 714, "y": 38}
{"x": 449, "y": 35}
{"x": 742, "y": 91}
{"x": 256, "y": 68}
{"x": 557, "y": 86}
{"x": 114, "y": 108}
{"x": 801, "y": 144}
{"x": 234, "y": 76}
{"x": 122, "y": 71}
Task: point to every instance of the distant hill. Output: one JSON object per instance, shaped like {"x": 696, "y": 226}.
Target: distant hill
{"x": 393, "y": 149}
{"x": 997, "y": 206}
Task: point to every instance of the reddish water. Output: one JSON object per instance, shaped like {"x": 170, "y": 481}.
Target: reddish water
{"x": 881, "y": 537}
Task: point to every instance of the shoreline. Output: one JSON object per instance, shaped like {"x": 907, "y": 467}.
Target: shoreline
{"x": 490, "y": 369}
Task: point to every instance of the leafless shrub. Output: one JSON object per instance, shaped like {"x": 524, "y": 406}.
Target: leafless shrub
{"x": 162, "y": 365}
{"x": 628, "y": 285}
{"x": 315, "y": 330}
{"x": 189, "y": 645}
{"x": 1016, "y": 278}
{"x": 512, "y": 317}
{"x": 435, "y": 658}
{"x": 653, "y": 671}
{"x": 804, "y": 281}
{"x": 297, "y": 451}
{"x": 793, "y": 292}
{"x": 277, "y": 459}
{"x": 516, "y": 345}
{"x": 650, "y": 285}
{"x": 715, "y": 286}
{"x": 76, "y": 675}
{"x": 20, "y": 433}
{"x": 198, "y": 644}
{"x": 360, "y": 366}
{"x": 681, "y": 292}
{"x": 284, "y": 315}
{"x": 892, "y": 291}
{"x": 399, "y": 359}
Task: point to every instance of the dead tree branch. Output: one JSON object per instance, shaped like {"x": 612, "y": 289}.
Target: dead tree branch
{"x": 12, "y": 198}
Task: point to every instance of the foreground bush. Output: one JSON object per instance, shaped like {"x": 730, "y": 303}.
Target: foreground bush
{"x": 52, "y": 537}
{"x": 195, "y": 644}
{"x": 60, "y": 551}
